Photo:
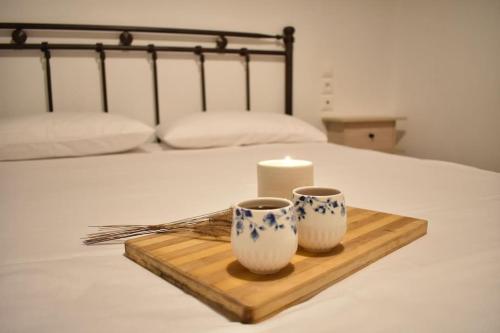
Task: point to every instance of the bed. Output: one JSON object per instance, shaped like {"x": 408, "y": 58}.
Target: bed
{"x": 446, "y": 281}
{"x": 51, "y": 282}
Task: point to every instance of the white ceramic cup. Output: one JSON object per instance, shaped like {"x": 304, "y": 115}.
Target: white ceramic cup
{"x": 321, "y": 217}
{"x": 264, "y": 234}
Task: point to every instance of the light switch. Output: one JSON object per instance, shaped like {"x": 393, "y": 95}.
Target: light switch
{"x": 327, "y": 86}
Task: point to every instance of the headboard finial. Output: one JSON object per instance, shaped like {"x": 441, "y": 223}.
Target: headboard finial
{"x": 19, "y": 36}
{"x": 126, "y": 38}
{"x": 288, "y": 34}
{"x": 221, "y": 43}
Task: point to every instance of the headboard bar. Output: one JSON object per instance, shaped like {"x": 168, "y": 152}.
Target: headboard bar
{"x": 289, "y": 40}
{"x": 244, "y": 53}
{"x": 93, "y": 27}
{"x": 46, "y": 52}
{"x": 140, "y": 48}
{"x": 19, "y": 37}
{"x": 102, "y": 57}
{"x": 154, "y": 57}
{"x": 199, "y": 52}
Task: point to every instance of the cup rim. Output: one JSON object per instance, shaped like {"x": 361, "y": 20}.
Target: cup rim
{"x": 335, "y": 191}
{"x": 289, "y": 203}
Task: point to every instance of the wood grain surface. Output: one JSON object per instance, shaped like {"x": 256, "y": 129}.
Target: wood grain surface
{"x": 208, "y": 270}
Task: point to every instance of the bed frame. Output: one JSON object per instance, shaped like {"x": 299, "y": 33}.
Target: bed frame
{"x": 126, "y": 37}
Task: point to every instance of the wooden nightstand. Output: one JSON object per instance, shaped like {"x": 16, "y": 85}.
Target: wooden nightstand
{"x": 369, "y": 132}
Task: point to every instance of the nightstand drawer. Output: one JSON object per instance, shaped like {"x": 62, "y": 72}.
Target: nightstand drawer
{"x": 378, "y": 138}
{"x": 376, "y": 135}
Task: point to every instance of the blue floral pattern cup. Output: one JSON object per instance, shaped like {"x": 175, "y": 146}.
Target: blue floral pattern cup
{"x": 264, "y": 234}
{"x": 321, "y": 217}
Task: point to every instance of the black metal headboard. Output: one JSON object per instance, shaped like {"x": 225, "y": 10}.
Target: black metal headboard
{"x": 20, "y": 36}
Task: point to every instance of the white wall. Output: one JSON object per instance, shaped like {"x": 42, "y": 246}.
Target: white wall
{"x": 358, "y": 30}
{"x": 447, "y": 79}
{"x": 435, "y": 61}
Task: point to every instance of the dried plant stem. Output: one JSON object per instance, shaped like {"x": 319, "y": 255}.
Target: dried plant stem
{"x": 216, "y": 224}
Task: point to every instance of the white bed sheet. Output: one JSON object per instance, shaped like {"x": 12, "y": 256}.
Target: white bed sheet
{"x": 446, "y": 281}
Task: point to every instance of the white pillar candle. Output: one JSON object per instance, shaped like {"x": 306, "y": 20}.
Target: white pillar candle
{"x": 278, "y": 178}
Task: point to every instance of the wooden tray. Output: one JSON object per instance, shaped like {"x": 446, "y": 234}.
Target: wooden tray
{"x": 208, "y": 270}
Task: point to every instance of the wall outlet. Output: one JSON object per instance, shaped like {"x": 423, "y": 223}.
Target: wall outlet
{"x": 327, "y": 86}
{"x": 326, "y": 102}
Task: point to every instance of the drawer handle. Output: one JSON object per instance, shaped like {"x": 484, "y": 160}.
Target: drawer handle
{"x": 371, "y": 136}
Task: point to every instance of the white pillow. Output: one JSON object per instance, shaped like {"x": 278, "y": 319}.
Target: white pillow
{"x": 69, "y": 134}
{"x": 236, "y": 128}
